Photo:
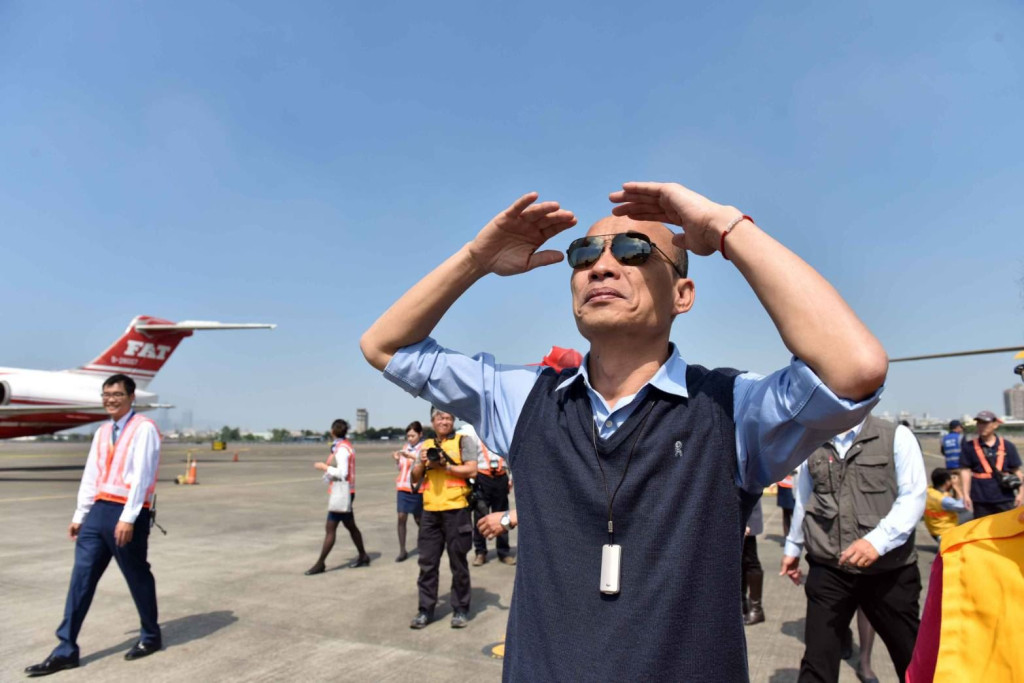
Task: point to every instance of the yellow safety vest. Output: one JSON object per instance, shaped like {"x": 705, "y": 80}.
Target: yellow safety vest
{"x": 982, "y": 593}
{"x": 937, "y": 520}
{"x": 441, "y": 490}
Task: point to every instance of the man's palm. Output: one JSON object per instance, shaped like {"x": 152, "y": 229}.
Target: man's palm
{"x": 508, "y": 244}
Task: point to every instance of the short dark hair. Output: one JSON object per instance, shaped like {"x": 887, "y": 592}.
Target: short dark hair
{"x": 415, "y": 426}
{"x": 940, "y": 475}
{"x": 339, "y": 428}
{"x": 128, "y": 382}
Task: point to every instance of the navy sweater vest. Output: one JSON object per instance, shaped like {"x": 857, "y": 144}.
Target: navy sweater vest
{"x": 678, "y": 516}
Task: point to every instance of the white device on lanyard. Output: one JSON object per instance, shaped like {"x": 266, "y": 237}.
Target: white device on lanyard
{"x": 611, "y": 565}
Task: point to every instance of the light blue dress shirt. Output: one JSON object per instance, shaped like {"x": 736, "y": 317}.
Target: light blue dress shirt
{"x": 912, "y": 488}
{"x": 780, "y": 419}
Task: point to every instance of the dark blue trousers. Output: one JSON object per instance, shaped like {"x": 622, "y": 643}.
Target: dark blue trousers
{"x": 93, "y": 550}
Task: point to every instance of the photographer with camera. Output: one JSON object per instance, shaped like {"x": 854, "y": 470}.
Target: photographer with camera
{"x": 990, "y": 470}
{"x": 446, "y": 464}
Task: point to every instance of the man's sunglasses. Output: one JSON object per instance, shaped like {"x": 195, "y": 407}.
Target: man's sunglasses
{"x": 628, "y": 248}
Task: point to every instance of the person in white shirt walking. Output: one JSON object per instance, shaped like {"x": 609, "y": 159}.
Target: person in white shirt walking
{"x": 858, "y": 500}
{"x": 112, "y": 521}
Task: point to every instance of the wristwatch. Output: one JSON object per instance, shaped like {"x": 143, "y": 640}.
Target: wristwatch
{"x": 506, "y": 522}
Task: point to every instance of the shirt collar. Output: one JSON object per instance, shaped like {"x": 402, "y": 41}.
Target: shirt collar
{"x": 670, "y": 377}
{"x": 847, "y": 438}
{"x": 123, "y": 421}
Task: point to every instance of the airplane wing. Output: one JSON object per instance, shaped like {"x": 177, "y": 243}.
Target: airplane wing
{"x": 97, "y": 409}
{"x": 200, "y": 325}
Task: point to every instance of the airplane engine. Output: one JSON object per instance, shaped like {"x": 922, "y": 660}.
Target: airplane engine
{"x": 5, "y": 393}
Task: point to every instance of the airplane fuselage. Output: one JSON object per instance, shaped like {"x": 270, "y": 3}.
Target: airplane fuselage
{"x": 41, "y": 388}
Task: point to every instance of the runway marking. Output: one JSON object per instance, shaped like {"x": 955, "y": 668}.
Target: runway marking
{"x": 83, "y": 455}
{"x": 26, "y": 500}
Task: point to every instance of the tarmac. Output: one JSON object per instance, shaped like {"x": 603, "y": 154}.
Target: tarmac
{"x": 235, "y": 605}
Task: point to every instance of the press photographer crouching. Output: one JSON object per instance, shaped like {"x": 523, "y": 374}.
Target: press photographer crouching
{"x": 445, "y": 466}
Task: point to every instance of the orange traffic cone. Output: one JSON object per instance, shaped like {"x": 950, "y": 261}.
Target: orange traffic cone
{"x": 236, "y": 456}
{"x": 192, "y": 476}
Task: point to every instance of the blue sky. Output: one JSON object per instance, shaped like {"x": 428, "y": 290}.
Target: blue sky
{"x": 305, "y": 164}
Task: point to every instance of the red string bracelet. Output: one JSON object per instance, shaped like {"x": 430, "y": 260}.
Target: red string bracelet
{"x": 737, "y": 221}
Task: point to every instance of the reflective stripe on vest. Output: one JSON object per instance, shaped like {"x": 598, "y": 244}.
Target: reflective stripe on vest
{"x": 113, "y": 458}
{"x": 952, "y": 444}
{"x": 404, "y": 480}
{"x": 495, "y": 463}
{"x": 1000, "y": 454}
{"x": 787, "y": 483}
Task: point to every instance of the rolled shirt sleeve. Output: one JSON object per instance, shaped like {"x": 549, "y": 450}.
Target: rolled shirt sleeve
{"x": 783, "y": 417}
{"x": 488, "y": 395}
{"x": 141, "y": 469}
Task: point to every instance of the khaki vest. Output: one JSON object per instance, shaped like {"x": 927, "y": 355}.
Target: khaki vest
{"x": 851, "y": 496}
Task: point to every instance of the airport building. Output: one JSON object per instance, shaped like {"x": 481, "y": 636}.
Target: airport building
{"x": 362, "y": 420}
{"x": 1013, "y": 402}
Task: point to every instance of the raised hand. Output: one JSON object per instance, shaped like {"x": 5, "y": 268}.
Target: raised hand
{"x": 508, "y": 244}
{"x": 675, "y": 204}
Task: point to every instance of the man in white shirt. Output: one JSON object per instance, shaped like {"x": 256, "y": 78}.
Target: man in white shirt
{"x": 858, "y": 500}
{"x": 112, "y": 520}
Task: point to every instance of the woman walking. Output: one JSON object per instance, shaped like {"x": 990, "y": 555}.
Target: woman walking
{"x": 341, "y": 479}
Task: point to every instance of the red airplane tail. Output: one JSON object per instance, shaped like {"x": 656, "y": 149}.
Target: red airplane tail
{"x": 147, "y": 344}
{"x": 140, "y": 352}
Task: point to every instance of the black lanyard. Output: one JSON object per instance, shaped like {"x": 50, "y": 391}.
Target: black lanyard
{"x": 629, "y": 459}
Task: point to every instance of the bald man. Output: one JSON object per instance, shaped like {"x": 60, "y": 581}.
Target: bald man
{"x": 636, "y": 471}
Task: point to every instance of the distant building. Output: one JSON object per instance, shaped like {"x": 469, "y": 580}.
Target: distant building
{"x": 1013, "y": 401}
{"x": 362, "y": 420}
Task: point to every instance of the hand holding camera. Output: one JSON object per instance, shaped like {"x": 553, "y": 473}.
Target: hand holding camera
{"x": 436, "y": 459}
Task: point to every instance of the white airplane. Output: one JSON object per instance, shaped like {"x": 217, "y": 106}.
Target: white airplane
{"x": 43, "y": 402}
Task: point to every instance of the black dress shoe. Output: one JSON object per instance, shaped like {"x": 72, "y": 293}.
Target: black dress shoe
{"x": 51, "y": 665}
{"x": 402, "y": 557}
{"x": 363, "y": 561}
{"x": 315, "y": 569}
{"x": 141, "y": 649}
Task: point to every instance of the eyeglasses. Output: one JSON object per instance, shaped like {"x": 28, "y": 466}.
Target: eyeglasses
{"x": 113, "y": 394}
{"x": 628, "y": 248}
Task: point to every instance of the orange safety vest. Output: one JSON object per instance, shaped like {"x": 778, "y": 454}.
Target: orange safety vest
{"x": 404, "y": 480}
{"x": 112, "y": 458}
{"x": 1000, "y": 454}
{"x": 498, "y": 470}
{"x": 786, "y": 483}
{"x": 351, "y": 463}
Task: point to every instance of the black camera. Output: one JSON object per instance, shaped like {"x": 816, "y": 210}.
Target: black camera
{"x": 436, "y": 455}
{"x": 1007, "y": 482}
